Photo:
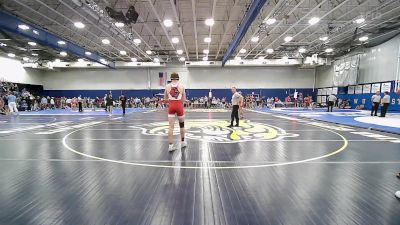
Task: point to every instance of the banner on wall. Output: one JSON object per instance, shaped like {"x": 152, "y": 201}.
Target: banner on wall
{"x": 324, "y": 91}
{"x": 329, "y": 92}
{"x": 162, "y": 77}
{"x": 358, "y": 89}
{"x": 319, "y": 92}
{"x": 386, "y": 86}
{"x": 318, "y": 99}
{"x": 366, "y": 88}
{"x": 323, "y": 99}
{"x": 350, "y": 90}
{"x": 335, "y": 90}
{"x": 375, "y": 88}
{"x": 346, "y": 71}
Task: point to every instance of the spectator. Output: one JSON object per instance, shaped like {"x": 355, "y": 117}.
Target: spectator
{"x": 385, "y": 104}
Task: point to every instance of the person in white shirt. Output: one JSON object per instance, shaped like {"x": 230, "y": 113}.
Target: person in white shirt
{"x": 236, "y": 97}
{"x": 375, "y": 99}
{"x": 331, "y": 101}
{"x": 385, "y": 104}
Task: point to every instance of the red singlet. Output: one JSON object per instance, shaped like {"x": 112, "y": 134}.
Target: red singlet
{"x": 175, "y": 102}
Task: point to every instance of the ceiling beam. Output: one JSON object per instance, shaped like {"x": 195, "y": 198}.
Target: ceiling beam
{"x": 195, "y": 27}
{"x": 179, "y": 26}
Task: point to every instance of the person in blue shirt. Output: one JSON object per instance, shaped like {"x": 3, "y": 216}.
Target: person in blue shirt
{"x": 12, "y": 103}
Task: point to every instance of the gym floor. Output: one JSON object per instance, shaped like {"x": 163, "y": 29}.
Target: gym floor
{"x": 274, "y": 169}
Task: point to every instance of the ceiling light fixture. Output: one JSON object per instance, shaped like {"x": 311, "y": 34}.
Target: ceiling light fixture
{"x": 207, "y": 39}
{"x": 12, "y": 55}
{"x": 285, "y": 58}
{"x": 34, "y": 54}
{"x": 88, "y": 53}
{"x": 23, "y": 27}
{"x": 302, "y": 50}
{"x": 137, "y": 41}
{"x": 242, "y": 50}
{"x": 270, "y": 51}
{"x": 156, "y": 60}
{"x": 205, "y": 58}
{"x": 63, "y": 53}
{"x": 148, "y": 52}
{"x": 182, "y": 59}
{"x": 105, "y": 41}
{"x": 168, "y": 23}
{"x": 238, "y": 58}
{"x": 57, "y": 60}
{"x": 255, "y": 39}
{"x": 25, "y": 59}
{"x": 324, "y": 38}
{"x": 122, "y": 52}
{"x": 288, "y": 38}
{"x": 81, "y": 60}
{"x": 206, "y": 51}
{"x": 134, "y": 59}
{"x": 119, "y": 24}
{"x": 175, "y": 40}
{"x": 31, "y": 43}
{"x": 313, "y": 21}
{"x": 179, "y": 51}
{"x": 328, "y": 50}
{"x": 103, "y": 61}
{"x": 364, "y": 38}
{"x": 209, "y": 22}
{"x": 359, "y": 20}
{"x": 79, "y": 25}
{"x": 270, "y": 21}
{"x": 61, "y": 42}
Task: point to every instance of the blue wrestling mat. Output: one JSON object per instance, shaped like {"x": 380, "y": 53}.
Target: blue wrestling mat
{"x": 86, "y": 112}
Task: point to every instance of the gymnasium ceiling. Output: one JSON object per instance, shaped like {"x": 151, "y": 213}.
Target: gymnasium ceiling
{"x": 337, "y": 22}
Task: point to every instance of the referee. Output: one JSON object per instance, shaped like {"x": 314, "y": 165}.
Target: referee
{"x": 236, "y": 97}
{"x": 376, "y": 99}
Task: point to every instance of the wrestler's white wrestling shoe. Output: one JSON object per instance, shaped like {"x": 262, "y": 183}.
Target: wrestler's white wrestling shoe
{"x": 171, "y": 147}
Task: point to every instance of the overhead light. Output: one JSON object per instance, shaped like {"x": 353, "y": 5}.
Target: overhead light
{"x": 81, "y": 60}
{"x": 182, "y": 59}
{"x": 88, "y": 53}
{"x": 270, "y": 51}
{"x": 179, "y": 51}
{"x": 238, "y": 58}
{"x": 105, "y": 41}
{"x": 12, "y": 55}
{"x": 288, "y": 38}
{"x": 205, "y": 58}
{"x": 137, "y": 41}
{"x": 207, "y": 39}
{"x": 313, "y": 21}
{"x": 61, "y": 42}
{"x": 302, "y": 50}
{"x": 270, "y": 21}
{"x": 103, "y": 61}
{"x": 2, "y": 44}
{"x": 63, "y": 53}
{"x": 119, "y": 24}
{"x": 255, "y": 39}
{"x": 175, "y": 40}
{"x": 209, "y": 22}
{"x": 359, "y": 20}
{"x": 134, "y": 59}
{"x": 206, "y": 51}
{"x": 363, "y": 38}
{"x": 156, "y": 60}
{"x": 328, "y": 50}
{"x": 57, "y": 60}
{"x": 260, "y": 57}
{"x": 23, "y": 27}
{"x": 34, "y": 54}
{"x": 148, "y": 52}
{"x": 36, "y": 32}
{"x": 242, "y": 50}
{"x": 122, "y": 52}
{"x": 25, "y": 59}
{"x": 31, "y": 43}
{"x": 168, "y": 23}
{"x": 324, "y": 38}
{"x": 79, "y": 25}
{"x": 285, "y": 58}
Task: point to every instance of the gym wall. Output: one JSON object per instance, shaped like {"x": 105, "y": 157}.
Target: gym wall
{"x": 11, "y": 70}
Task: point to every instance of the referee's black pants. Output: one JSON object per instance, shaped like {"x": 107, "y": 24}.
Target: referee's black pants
{"x": 80, "y": 107}
{"x": 330, "y": 106}
{"x": 384, "y": 108}
{"x": 375, "y": 106}
{"x": 235, "y": 115}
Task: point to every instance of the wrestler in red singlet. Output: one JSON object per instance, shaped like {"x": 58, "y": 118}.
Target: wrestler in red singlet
{"x": 175, "y": 95}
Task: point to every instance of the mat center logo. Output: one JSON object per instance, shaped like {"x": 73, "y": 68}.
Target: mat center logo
{"x": 217, "y": 131}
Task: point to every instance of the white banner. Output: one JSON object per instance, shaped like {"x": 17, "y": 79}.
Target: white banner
{"x": 334, "y": 90}
{"x": 386, "y": 87}
{"x": 358, "y": 89}
{"x": 323, "y": 99}
{"x": 319, "y": 91}
{"x": 318, "y": 99}
{"x": 324, "y": 91}
{"x": 350, "y": 90}
{"x": 329, "y": 91}
{"x": 375, "y": 88}
{"x": 366, "y": 88}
